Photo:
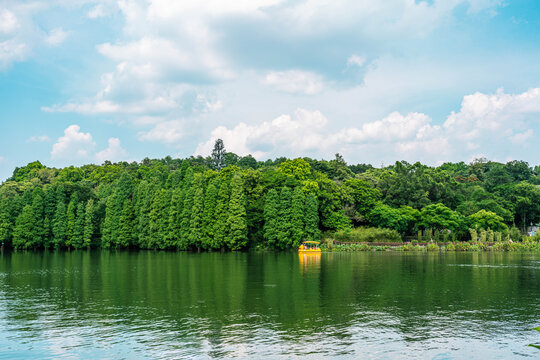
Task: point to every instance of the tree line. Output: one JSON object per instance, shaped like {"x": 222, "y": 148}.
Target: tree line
{"x": 228, "y": 202}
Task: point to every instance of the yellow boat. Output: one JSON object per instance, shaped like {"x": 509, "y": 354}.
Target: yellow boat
{"x": 308, "y": 247}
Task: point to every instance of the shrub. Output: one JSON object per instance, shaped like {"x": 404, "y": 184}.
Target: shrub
{"x": 483, "y": 235}
{"x": 515, "y": 234}
{"x": 490, "y": 235}
{"x": 432, "y": 247}
{"x": 367, "y": 235}
{"x": 450, "y": 247}
{"x": 498, "y": 236}
{"x": 463, "y": 246}
{"x": 474, "y": 234}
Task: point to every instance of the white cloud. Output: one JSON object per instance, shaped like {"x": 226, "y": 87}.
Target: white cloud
{"x": 12, "y": 51}
{"x": 73, "y": 145}
{"x": 393, "y": 127}
{"x": 484, "y": 123}
{"x": 167, "y": 132}
{"x": 298, "y": 134}
{"x": 8, "y": 21}
{"x": 39, "y": 138}
{"x": 56, "y": 37}
{"x": 97, "y": 11}
{"x": 496, "y": 114}
{"x": 114, "y": 152}
{"x": 521, "y": 138}
{"x": 355, "y": 60}
{"x": 295, "y": 82}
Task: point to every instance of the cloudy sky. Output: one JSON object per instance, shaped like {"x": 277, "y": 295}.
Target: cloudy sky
{"x": 83, "y": 81}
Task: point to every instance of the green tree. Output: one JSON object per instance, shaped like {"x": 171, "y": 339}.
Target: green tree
{"x": 71, "y": 218}
{"x": 218, "y": 155}
{"x": 210, "y": 202}
{"x": 312, "y": 218}
{"x": 38, "y": 208}
{"x": 175, "y": 217}
{"x": 196, "y": 230}
{"x": 487, "y": 220}
{"x": 126, "y": 224}
{"x": 237, "y": 235}
{"x": 89, "y": 224}
{"x": 285, "y": 235}
{"x": 438, "y": 216}
{"x": 108, "y": 231}
{"x": 60, "y": 221}
{"x": 25, "y": 230}
{"x": 297, "y": 217}
{"x": 221, "y": 216}
{"x": 271, "y": 218}
{"x": 78, "y": 229}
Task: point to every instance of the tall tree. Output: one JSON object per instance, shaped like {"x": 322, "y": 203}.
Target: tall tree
{"x": 89, "y": 224}
{"x": 285, "y": 235}
{"x": 175, "y": 217}
{"x": 126, "y": 225}
{"x": 196, "y": 218}
{"x": 218, "y": 155}
{"x": 25, "y": 229}
{"x": 78, "y": 229}
{"x": 297, "y": 216}
{"x": 312, "y": 218}
{"x": 38, "y": 208}
{"x": 271, "y": 218}
{"x": 60, "y": 219}
{"x": 71, "y": 218}
{"x": 210, "y": 202}
{"x": 237, "y": 224}
{"x": 221, "y": 216}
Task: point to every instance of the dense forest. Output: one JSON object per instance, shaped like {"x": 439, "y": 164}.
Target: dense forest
{"x": 228, "y": 202}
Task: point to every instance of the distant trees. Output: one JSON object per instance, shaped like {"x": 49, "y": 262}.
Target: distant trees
{"x": 230, "y": 202}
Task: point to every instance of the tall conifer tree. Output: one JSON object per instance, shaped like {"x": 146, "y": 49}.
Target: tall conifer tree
{"x": 297, "y": 217}
{"x": 271, "y": 220}
{"x": 89, "y": 225}
{"x": 221, "y": 216}
{"x": 60, "y": 219}
{"x": 312, "y": 218}
{"x": 210, "y": 201}
{"x": 197, "y": 207}
{"x": 78, "y": 229}
{"x": 237, "y": 224}
{"x": 25, "y": 229}
{"x": 285, "y": 219}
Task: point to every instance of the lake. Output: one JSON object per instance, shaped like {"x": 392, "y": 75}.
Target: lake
{"x": 101, "y": 304}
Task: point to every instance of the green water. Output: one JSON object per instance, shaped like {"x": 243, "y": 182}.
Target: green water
{"x": 252, "y": 305}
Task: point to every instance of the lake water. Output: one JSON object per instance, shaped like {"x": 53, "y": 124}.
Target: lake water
{"x": 131, "y": 305}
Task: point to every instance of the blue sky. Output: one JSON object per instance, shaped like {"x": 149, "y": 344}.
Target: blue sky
{"x": 83, "y": 81}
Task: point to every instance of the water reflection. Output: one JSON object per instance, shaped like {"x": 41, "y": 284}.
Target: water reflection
{"x": 310, "y": 262}
{"x": 163, "y": 305}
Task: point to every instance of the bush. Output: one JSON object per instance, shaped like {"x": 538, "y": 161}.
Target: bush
{"x": 367, "y": 235}
{"x": 474, "y": 234}
{"x": 463, "y": 246}
{"x": 450, "y": 247}
{"x": 432, "y": 247}
{"x": 515, "y": 234}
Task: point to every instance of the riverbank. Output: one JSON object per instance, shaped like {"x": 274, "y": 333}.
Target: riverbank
{"x": 526, "y": 246}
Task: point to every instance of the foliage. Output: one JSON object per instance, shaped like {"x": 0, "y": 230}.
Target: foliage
{"x": 487, "y": 220}
{"x": 231, "y": 202}
{"x": 367, "y": 235}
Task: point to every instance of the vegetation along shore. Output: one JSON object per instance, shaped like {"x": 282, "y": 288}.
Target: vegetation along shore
{"x": 228, "y": 202}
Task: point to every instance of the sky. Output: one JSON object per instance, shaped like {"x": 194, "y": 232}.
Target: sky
{"x": 84, "y": 81}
